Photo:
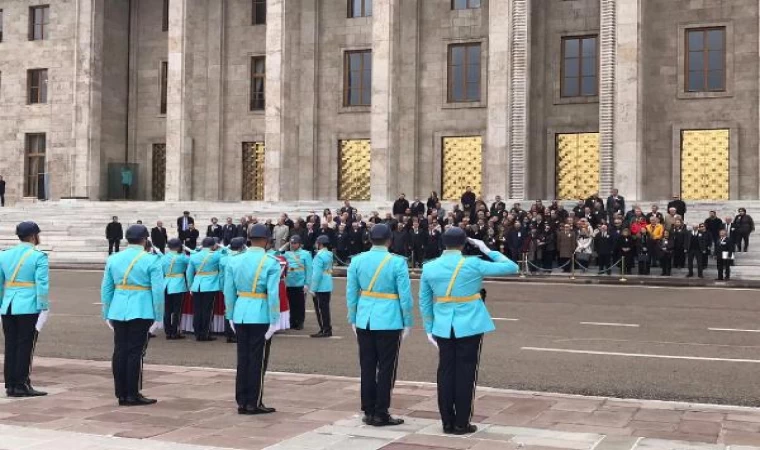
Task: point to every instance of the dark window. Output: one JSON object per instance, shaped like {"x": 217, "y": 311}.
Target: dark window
{"x": 164, "y": 85}
{"x": 259, "y": 12}
{"x": 579, "y": 67}
{"x": 38, "y": 22}
{"x": 165, "y": 16}
{"x": 357, "y": 78}
{"x": 258, "y": 78}
{"x": 37, "y": 80}
{"x": 465, "y": 4}
{"x": 359, "y": 8}
{"x": 1, "y": 25}
{"x": 34, "y": 172}
{"x": 706, "y": 60}
{"x": 464, "y": 73}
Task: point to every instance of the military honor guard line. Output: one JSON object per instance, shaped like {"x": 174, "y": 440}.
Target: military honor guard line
{"x": 143, "y": 290}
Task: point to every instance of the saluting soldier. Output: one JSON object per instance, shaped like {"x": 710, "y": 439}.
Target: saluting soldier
{"x": 380, "y": 303}
{"x": 299, "y": 271}
{"x": 252, "y": 297}
{"x": 24, "y": 293}
{"x": 203, "y": 277}
{"x": 455, "y": 319}
{"x": 322, "y": 285}
{"x": 236, "y": 248}
{"x": 174, "y": 264}
{"x": 133, "y": 306}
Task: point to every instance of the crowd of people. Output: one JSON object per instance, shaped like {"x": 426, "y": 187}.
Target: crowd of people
{"x": 589, "y": 235}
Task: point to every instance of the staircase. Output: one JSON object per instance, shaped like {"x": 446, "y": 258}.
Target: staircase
{"x": 73, "y": 231}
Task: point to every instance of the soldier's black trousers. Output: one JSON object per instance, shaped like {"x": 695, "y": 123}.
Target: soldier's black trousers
{"x": 130, "y": 341}
{"x": 172, "y": 312}
{"x": 252, "y": 361}
{"x": 297, "y": 302}
{"x": 378, "y": 359}
{"x": 322, "y": 308}
{"x": 203, "y": 313}
{"x": 20, "y": 339}
{"x": 459, "y": 359}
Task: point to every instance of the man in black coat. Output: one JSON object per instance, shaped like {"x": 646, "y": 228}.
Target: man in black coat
{"x": 355, "y": 239}
{"x": 158, "y": 236}
{"x": 311, "y": 237}
{"x": 417, "y": 207}
{"x": 400, "y": 242}
{"x": 191, "y": 237}
{"x": 679, "y": 205}
{"x": 325, "y": 230}
{"x": 603, "y": 245}
{"x": 724, "y": 254}
{"x": 417, "y": 237}
{"x": 183, "y": 225}
{"x": 615, "y": 204}
{"x": 242, "y": 228}
{"x": 2, "y": 191}
{"x": 400, "y": 205}
{"x": 214, "y": 230}
{"x": 468, "y": 200}
{"x": 229, "y": 231}
{"x": 114, "y": 234}
{"x": 433, "y": 243}
{"x": 695, "y": 245}
{"x": 713, "y": 224}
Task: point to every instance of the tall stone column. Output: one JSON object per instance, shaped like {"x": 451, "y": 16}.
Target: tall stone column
{"x": 518, "y": 100}
{"x": 627, "y": 122}
{"x": 179, "y": 144}
{"x": 84, "y": 163}
{"x": 407, "y": 75}
{"x": 307, "y": 98}
{"x": 214, "y": 154}
{"x": 384, "y": 156}
{"x": 607, "y": 88}
{"x": 496, "y": 145}
{"x": 276, "y": 75}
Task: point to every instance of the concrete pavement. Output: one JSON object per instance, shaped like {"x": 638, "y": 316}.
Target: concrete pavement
{"x": 196, "y": 410}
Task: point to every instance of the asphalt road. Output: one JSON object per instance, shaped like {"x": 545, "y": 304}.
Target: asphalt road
{"x": 691, "y": 344}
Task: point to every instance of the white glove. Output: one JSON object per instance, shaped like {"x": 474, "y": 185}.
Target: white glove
{"x": 270, "y": 332}
{"x": 41, "y": 319}
{"x": 156, "y": 325}
{"x": 405, "y": 333}
{"x": 432, "y": 340}
{"x": 353, "y": 327}
{"x": 232, "y": 326}
{"x": 479, "y": 244}
{"x": 110, "y": 325}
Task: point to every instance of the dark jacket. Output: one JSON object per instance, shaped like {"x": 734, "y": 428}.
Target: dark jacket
{"x": 713, "y": 225}
{"x": 724, "y": 245}
{"x": 214, "y": 231}
{"x": 615, "y": 205}
{"x": 468, "y": 200}
{"x": 329, "y": 232}
{"x": 400, "y": 243}
{"x": 433, "y": 245}
{"x": 400, "y": 206}
{"x": 180, "y": 220}
{"x": 696, "y": 243}
{"x": 744, "y": 224}
{"x": 114, "y": 231}
{"x": 418, "y": 209}
{"x": 603, "y": 245}
{"x": 2, "y": 187}
{"x": 229, "y": 231}
{"x": 158, "y": 236}
{"x": 679, "y": 205}
{"x": 191, "y": 238}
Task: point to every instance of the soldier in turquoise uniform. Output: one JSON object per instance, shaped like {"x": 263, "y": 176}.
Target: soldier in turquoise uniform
{"x": 24, "y": 309}
{"x": 379, "y": 298}
{"x": 455, "y": 319}
{"x": 252, "y": 297}
{"x": 204, "y": 280}
{"x": 299, "y": 272}
{"x": 174, "y": 264}
{"x": 322, "y": 285}
{"x": 236, "y": 248}
{"x": 132, "y": 293}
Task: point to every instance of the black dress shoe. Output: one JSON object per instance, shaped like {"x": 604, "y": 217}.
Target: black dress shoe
{"x": 467, "y": 429}
{"x": 448, "y": 428}
{"x": 297, "y": 327}
{"x": 254, "y": 410}
{"x": 318, "y": 335}
{"x": 231, "y": 340}
{"x": 179, "y": 336}
{"x": 26, "y": 390}
{"x": 368, "y": 419}
{"x": 266, "y": 409}
{"x": 386, "y": 421}
{"x": 138, "y": 401}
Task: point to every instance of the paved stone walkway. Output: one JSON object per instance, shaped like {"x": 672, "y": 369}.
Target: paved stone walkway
{"x": 196, "y": 410}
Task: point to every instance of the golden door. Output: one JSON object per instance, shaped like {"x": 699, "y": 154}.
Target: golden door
{"x": 577, "y": 165}
{"x": 704, "y": 164}
{"x": 462, "y": 166}
{"x": 158, "y": 171}
{"x": 354, "y": 169}
{"x": 253, "y": 171}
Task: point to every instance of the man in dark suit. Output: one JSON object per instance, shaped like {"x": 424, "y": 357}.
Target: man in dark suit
{"x": 679, "y": 205}
{"x": 325, "y": 230}
{"x": 242, "y": 229}
{"x": 183, "y": 225}
{"x": 2, "y": 191}
{"x": 603, "y": 246}
{"x": 214, "y": 230}
{"x": 417, "y": 236}
{"x": 695, "y": 245}
{"x": 724, "y": 254}
{"x": 400, "y": 205}
{"x": 417, "y": 207}
{"x": 497, "y": 207}
{"x": 229, "y": 231}
{"x": 114, "y": 234}
{"x": 311, "y": 237}
{"x": 191, "y": 237}
{"x": 158, "y": 236}
{"x": 355, "y": 239}
{"x": 433, "y": 243}
{"x": 615, "y": 204}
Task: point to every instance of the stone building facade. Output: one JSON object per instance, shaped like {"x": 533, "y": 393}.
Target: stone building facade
{"x": 323, "y": 99}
